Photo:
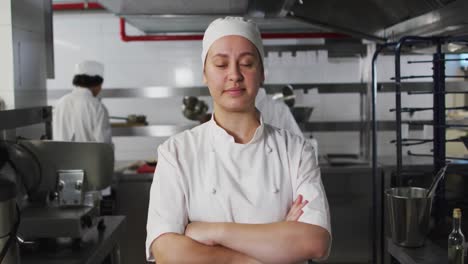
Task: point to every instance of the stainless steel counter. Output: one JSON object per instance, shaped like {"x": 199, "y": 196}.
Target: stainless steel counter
{"x": 122, "y": 174}
{"x": 430, "y": 253}
{"x": 96, "y": 246}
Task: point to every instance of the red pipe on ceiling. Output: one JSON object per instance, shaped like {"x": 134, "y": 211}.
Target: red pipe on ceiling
{"x": 77, "y": 6}
{"x": 127, "y": 38}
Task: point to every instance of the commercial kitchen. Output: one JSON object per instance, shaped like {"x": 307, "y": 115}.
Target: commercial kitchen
{"x": 379, "y": 86}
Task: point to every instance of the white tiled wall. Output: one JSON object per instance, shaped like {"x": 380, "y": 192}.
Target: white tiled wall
{"x": 95, "y": 35}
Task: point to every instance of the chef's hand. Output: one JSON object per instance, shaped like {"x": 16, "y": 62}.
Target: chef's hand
{"x": 202, "y": 232}
{"x": 296, "y": 209}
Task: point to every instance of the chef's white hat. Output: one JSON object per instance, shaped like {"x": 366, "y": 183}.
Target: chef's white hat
{"x": 89, "y": 67}
{"x": 227, "y": 26}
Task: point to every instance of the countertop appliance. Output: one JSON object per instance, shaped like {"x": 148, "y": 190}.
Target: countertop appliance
{"x": 59, "y": 178}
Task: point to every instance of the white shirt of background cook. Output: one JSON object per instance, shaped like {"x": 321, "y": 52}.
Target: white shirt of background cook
{"x": 203, "y": 175}
{"x": 81, "y": 117}
{"x": 276, "y": 113}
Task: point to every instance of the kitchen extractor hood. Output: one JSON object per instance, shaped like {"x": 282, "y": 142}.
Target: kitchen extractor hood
{"x": 448, "y": 20}
{"x": 367, "y": 17}
{"x": 156, "y": 24}
{"x": 199, "y": 7}
{"x": 183, "y": 16}
{"x": 377, "y": 20}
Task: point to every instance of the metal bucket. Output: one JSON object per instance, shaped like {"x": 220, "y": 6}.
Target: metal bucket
{"x": 409, "y": 213}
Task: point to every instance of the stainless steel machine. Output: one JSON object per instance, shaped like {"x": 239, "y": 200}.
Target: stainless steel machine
{"x": 61, "y": 181}
{"x": 65, "y": 202}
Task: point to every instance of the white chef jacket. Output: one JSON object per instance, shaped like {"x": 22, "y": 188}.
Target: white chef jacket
{"x": 203, "y": 175}
{"x": 81, "y": 117}
{"x": 276, "y": 113}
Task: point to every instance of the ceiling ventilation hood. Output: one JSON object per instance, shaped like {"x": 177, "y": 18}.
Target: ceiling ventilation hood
{"x": 199, "y": 7}
{"x": 377, "y": 20}
{"x": 188, "y": 16}
{"x": 451, "y": 19}
{"x": 367, "y": 17}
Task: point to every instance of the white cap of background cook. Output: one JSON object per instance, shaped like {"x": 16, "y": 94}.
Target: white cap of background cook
{"x": 89, "y": 67}
{"x": 228, "y": 26}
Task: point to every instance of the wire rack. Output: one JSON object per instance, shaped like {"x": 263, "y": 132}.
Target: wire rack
{"x": 439, "y": 122}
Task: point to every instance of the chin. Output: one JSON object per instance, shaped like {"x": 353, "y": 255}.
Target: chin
{"x": 237, "y": 107}
{"x": 235, "y": 104}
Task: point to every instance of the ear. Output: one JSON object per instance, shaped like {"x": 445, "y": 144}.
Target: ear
{"x": 262, "y": 78}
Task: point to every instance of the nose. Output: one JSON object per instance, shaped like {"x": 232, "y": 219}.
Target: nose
{"x": 235, "y": 74}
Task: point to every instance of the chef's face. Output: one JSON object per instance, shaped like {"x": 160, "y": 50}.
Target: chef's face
{"x": 233, "y": 72}
{"x": 96, "y": 90}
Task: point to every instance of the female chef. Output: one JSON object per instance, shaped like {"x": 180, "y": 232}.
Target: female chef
{"x": 234, "y": 189}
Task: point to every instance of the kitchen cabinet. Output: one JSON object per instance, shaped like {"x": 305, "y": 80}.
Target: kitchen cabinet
{"x": 132, "y": 199}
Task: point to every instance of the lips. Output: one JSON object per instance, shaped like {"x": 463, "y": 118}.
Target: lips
{"x": 234, "y": 91}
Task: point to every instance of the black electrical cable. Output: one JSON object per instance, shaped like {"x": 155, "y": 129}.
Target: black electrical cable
{"x": 24, "y": 149}
{"x": 38, "y": 163}
{"x": 12, "y": 235}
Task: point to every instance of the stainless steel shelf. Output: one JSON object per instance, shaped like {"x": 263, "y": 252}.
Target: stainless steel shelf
{"x": 143, "y": 92}
{"x": 149, "y": 131}
{"x": 362, "y": 87}
{"x": 350, "y": 126}
{"x": 334, "y": 49}
{"x": 430, "y": 253}
{"x": 457, "y": 86}
{"x": 164, "y": 131}
{"x": 11, "y": 119}
{"x": 166, "y": 91}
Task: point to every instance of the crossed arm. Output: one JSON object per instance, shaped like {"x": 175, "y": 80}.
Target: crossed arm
{"x": 287, "y": 241}
{"x": 175, "y": 248}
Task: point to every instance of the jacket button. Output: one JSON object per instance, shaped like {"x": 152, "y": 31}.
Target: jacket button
{"x": 213, "y": 191}
{"x": 276, "y": 190}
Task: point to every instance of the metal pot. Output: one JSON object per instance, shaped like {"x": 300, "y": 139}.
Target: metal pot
{"x": 302, "y": 114}
{"x": 409, "y": 212}
{"x": 287, "y": 95}
{"x": 194, "y": 108}
{"x": 134, "y": 119}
